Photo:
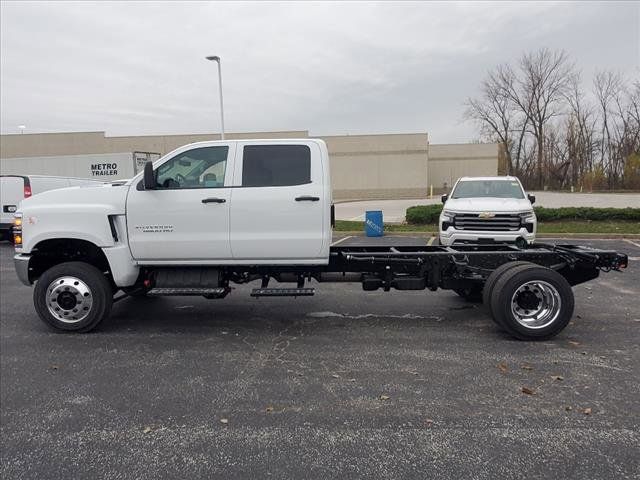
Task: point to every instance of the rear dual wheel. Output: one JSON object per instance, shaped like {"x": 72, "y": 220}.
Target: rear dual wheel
{"x": 531, "y": 302}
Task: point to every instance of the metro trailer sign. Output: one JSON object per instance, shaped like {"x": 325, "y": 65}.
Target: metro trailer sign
{"x": 104, "y": 169}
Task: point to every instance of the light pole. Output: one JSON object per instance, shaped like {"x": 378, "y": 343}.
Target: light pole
{"x": 215, "y": 58}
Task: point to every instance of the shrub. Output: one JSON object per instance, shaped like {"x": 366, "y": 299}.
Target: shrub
{"x": 423, "y": 214}
{"x": 586, "y": 213}
{"x": 428, "y": 214}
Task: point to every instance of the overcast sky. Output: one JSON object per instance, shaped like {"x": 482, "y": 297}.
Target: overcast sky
{"x": 347, "y": 68}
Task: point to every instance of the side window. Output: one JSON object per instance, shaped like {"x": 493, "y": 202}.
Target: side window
{"x": 276, "y": 165}
{"x": 203, "y": 167}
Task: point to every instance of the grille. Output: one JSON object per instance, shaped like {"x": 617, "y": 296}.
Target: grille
{"x": 501, "y": 222}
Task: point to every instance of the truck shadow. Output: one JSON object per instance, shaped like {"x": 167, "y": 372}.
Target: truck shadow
{"x": 195, "y": 315}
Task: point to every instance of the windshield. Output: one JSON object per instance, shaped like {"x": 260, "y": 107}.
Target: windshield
{"x": 488, "y": 188}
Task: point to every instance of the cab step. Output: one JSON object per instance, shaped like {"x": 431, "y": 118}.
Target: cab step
{"x": 187, "y": 291}
{"x": 282, "y": 292}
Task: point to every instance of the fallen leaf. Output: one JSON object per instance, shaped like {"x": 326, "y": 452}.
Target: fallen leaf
{"x": 587, "y": 411}
{"x": 526, "y": 367}
{"x": 352, "y": 379}
{"x": 269, "y": 409}
{"x": 428, "y": 422}
{"x": 224, "y": 420}
{"x": 147, "y": 430}
{"x": 384, "y": 397}
{"x": 335, "y": 376}
{"x": 583, "y": 353}
{"x": 568, "y": 409}
{"x": 528, "y": 391}
{"x": 502, "y": 366}
{"x": 557, "y": 377}
{"x": 575, "y": 344}
{"x": 54, "y": 367}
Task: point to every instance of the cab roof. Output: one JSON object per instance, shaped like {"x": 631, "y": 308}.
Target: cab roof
{"x": 503, "y": 177}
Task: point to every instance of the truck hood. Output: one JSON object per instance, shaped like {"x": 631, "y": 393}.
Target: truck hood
{"x": 109, "y": 198}
{"x": 496, "y": 205}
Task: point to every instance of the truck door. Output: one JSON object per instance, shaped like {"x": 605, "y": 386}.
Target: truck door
{"x": 277, "y": 203}
{"x": 186, "y": 217}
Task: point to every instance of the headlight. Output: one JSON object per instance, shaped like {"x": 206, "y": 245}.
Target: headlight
{"x": 528, "y": 217}
{"x": 446, "y": 216}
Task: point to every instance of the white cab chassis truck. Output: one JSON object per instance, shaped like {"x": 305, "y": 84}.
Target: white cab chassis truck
{"x": 211, "y": 214}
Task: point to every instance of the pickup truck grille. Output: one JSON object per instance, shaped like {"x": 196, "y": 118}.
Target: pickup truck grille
{"x": 501, "y": 222}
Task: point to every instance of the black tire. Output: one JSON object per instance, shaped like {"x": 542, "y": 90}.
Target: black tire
{"x": 471, "y": 294}
{"x": 97, "y": 294}
{"x": 545, "y": 284}
{"x": 493, "y": 278}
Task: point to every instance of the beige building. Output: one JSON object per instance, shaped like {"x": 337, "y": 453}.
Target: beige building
{"x": 362, "y": 166}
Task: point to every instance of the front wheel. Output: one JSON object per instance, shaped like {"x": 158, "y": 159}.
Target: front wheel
{"x": 532, "y": 302}
{"x": 73, "y": 296}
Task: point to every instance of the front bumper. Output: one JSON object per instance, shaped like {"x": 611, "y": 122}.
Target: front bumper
{"x": 21, "y": 263}
{"x": 450, "y": 236}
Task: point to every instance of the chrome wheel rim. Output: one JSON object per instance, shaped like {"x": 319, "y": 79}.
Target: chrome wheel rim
{"x": 69, "y": 299}
{"x": 536, "y": 304}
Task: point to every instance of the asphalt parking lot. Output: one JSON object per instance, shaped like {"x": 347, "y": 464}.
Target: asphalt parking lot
{"x": 341, "y": 385}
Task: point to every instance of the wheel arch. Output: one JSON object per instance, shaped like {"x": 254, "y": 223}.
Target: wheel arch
{"x": 54, "y": 251}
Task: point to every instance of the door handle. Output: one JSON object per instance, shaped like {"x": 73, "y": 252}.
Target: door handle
{"x": 213, "y": 200}
{"x": 307, "y": 198}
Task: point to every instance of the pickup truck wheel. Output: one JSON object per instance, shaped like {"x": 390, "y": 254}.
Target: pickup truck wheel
{"x": 491, "y": 281}
{"x": 532, "y": 302}
{"x": 73, "y": 296}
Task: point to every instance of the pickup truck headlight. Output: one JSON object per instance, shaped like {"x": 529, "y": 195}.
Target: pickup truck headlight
{"x": 528, "y": 217}
{"x": 528, "y": 220}
{"x": 446, "y": 216}
{"x": 446, "y": 219}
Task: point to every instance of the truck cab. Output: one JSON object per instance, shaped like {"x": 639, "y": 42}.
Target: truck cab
{"x": 233, "y": 202}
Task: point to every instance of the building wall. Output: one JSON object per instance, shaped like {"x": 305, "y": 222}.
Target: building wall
{"x": 362, "y": 166}
{"x": 378, "y": 166}
{"x": 448, "y": 162}
{"x": 77, "y": 143}
{"x": 98, "y": 166}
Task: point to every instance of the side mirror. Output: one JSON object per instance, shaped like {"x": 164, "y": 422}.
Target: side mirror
{"x": 532, "y": 199}
{"x": 444, "y": 198}
{"x": 149, "y": 178}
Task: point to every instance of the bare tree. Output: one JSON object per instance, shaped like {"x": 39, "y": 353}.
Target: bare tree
{"x": 550, "y": 131}
{"x": 497, "y": 115}
{"x": 580, "y": 131}
{"x": 540, "y": 92}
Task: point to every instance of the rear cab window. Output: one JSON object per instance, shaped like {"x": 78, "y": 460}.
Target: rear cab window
{"x": 275, "y": 165}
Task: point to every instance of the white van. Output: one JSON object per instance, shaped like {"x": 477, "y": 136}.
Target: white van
{"x": 15, "y": 188}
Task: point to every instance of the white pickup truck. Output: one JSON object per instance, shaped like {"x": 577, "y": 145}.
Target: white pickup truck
{"x": 487, "y": 209}
{"x": 215, "y": 213}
